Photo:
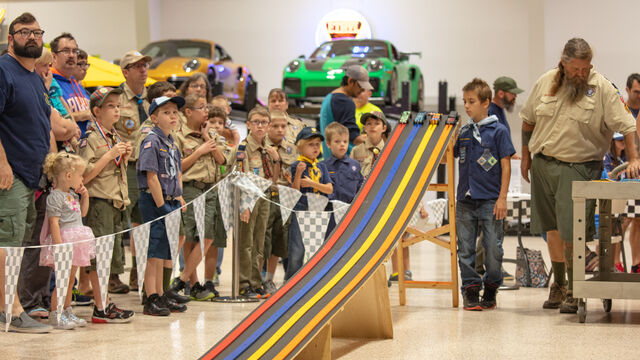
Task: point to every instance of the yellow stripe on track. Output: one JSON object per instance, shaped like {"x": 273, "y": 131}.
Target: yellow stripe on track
{"x": 365, "y": 246}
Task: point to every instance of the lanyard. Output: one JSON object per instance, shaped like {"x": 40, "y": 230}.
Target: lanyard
{"x": 115, "y": 138}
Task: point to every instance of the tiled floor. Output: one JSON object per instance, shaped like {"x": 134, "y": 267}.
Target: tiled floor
{"x": 428, "y": 327}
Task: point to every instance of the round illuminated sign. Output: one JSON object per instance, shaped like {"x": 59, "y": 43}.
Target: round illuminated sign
{"x": 342, "y": 24}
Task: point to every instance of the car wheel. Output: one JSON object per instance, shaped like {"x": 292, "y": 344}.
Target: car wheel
{"x": 419, "y": 104}
{"x": 392, "y": 89}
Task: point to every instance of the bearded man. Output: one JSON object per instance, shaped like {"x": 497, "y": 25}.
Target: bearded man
{"x": 505, "y": 91}
{"x": 568, "y": 122}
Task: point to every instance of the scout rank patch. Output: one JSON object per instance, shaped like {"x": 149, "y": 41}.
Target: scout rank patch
{"x": 487, "y": 161}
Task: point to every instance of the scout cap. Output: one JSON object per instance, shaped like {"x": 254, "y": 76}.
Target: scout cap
{"x": 358, "y": 73}
{"x": 507, "y": 84}
{"x": 101, "y": 93}
{"x": 133, "y": 57}
{"x": 159, "y": 101}
{"x": 376, "y": 115}
{"x": 308, "y": 133}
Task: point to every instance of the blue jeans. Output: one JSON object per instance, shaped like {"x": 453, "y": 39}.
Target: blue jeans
{"x": 296, "y": 247}
{"x": 471, "y": 215}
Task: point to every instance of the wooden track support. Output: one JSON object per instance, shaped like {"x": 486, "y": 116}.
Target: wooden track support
{"x": 416, "y": 236}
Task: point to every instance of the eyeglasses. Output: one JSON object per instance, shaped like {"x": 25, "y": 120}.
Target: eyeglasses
{"x": 260, "y": 123}
{"x": 26, "y": 33}
{"x": 69, "y": 52}
{"x": 198, "y": 86}
{"x": 201, "y": 108}
{"x": 139, "y": 66}
{"x": 83, "y": 66}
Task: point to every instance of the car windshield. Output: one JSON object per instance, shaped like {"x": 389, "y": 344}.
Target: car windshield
{"x": 357, "y": 49}
{"x": 174, "y": 48}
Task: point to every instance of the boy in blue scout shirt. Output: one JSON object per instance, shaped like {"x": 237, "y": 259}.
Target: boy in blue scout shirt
{"x": 310, "y": 177}
{"x": 160, "y": 181}
{"x": 485, "y": 149}
{"x": 345, "y": 172}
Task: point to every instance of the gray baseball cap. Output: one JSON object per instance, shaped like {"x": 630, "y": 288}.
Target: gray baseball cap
{"x": 360, "y": 74}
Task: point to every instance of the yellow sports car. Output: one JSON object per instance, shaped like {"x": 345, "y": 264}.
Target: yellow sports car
{"x": 177, "y": 60}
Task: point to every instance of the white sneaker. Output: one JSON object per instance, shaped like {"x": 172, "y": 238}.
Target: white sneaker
{"x": 71, "y": 316}
{"x": 64, "y": 323}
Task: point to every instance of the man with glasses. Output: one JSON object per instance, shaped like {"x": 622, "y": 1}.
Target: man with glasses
{"x": 80, "y": 71}
{"x": 25, "y": 140}
{"x": 134, "y": 109}
{"x": 65, "y": 57}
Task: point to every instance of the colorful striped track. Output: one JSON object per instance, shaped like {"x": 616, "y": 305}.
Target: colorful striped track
{"x": 282, "y": 325}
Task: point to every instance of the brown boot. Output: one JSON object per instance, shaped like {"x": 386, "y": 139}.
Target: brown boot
{"x": 116, "y": 286}
{"x": 557, "y": 294}
{"x": 133, "y": 279}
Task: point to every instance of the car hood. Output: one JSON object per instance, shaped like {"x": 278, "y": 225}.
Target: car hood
{"x": 175, "y": 65}
{"x": 317, "y": 64}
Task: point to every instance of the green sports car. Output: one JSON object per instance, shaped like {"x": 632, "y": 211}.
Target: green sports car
{"x": 313, "y": 78}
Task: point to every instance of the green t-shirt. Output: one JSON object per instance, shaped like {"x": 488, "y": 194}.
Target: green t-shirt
{"x": 369, "y": 107}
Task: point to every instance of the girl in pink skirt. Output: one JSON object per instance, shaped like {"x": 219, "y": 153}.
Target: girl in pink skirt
{"x": 64, "y": 219}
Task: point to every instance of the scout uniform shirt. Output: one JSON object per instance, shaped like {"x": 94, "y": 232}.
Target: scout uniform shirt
{"x": 204, "y": 169}
{"x": 575, "y": 132}
{"x": 111, "y": 182}
{"x": 288, "y": 154}
{"x": 134, "y": 110}
{"x": 293, "y": 128}
{"x": 250, "y": 156}
{"x": 366, "y": 154}
{"x": 159, "y": 154}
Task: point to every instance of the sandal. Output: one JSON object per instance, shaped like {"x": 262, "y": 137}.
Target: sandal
{"x": 41, "y": 313}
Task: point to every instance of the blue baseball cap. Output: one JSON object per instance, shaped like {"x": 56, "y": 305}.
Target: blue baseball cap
{"x": 308, "y": 133}
{"x": 159, "y": 101}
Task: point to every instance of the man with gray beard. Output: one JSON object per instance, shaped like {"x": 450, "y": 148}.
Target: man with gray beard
{"x": 568, "y": 122}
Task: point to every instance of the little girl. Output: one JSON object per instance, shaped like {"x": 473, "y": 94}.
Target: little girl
{"x": 64, "y": 213}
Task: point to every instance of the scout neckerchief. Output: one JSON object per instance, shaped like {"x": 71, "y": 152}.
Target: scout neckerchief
{"x": 171, "y": 167}
{"x": 476, "y": 126}
{"x": 314, "y": 172}
{"x": 115, "y": 138}
{"x": 130, "y": 125}
{"x": 265, "y": 164}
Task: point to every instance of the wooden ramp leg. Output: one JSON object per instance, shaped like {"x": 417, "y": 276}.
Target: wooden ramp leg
{"x": 319, "y": 348}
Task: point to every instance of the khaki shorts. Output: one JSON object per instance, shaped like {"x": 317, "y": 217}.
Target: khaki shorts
{"x": 17, "y": 214}
{"x": 132, "y": 211}
{"x": 189, "y": 193}
{"x": 551, "y": 201}
{"x": 104, "y": 219}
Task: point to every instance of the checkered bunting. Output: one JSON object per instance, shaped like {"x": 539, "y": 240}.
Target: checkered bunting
{"x": 288, "y": 199}
{"x": 198, "y": 213}
{"x": 104, "y": 253}
{"x": 249, "y": 193}
{"x": 339, "y": 209}
{"x": 436, "y": 209}
{"x": 11, "y": 274}
{"x": 317, "y": 202}
{"x": 262, "y": 183}
{"x": 225, "y": 196}
{"x": 141, "y": 240}
{"x": 415, "y": 218}
{"x": 63, "y": 260}
{"x": 632, "y": 209}
{"x": 313, "y": 226}
{"x": 172, "y": 224}
{"x": 512, "y": 209}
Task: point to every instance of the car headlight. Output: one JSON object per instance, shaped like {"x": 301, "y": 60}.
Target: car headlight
{"x": 191, "y": 65}
{"x": 374, "y": 65}
{"x": 293, "y": 66}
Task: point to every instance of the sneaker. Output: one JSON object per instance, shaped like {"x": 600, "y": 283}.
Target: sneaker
{"x": 111, "y": 315}
{"x": 63, "y": 324}
{"x": 506, "y": 276}
{"x": 557, "y": 294}
{"x": 200, "y": 293}
{"x": 262, "y": 294}
{"x": 569, "y": 305}
{"x": 488, "y": 301}
{"x": 270, "y": 287}
{"x": 591, "y": 262}
{"x": 635, "y": 269}
{"x": 25, "y": 324}
{"x": 618, "y": 268}
{"x": 471, "y": 298}
{"x": 248, "y": 292}
{"x": 393, "y": 277}
{"x": 173, "y": 294}
{"x": 408, "y": 276}
{"x": 172, "y": 305}
{"x": 71, "y": 316}
{"x": 116, "y": 286}
{"x": 78, "y": 299}
{"x": 133, "y": 279}
{"x": 155, "y": 306}
{"x": 216, "y": 279}
{"x": 210, "y": 285}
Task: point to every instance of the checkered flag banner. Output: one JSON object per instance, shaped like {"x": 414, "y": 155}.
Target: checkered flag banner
{"x": 313, "y": 226}
{"x": 11, "y": 274}
{"x": 249, "y": 193}
{"x": 436, "y": 209}
{"x": 104, "y": 253}
{"x": 317, "y": 202}
{"x": 415, "y": 218}
{"x": 198, "y": 213}
{"x": 62, "y": 260}
{"x": 262, "y": 183}
{"x": 288, "y": 199}
{"x": 172, "y": 224}
{"x": 141, "y": 240}
{"x": 339, "y": 209}
{"x": 225, "y": 196}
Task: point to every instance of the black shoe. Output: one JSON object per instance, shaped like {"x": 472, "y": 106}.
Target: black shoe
{"x": 155, "y": 307}
{"x": 212, "y": 288}
{"x": 489, "y": 297}
{"x": 248, "y": 292}
{"x": 261, "y": 293}
{"x": 173, "y": 294}
{"x": 471, "y": 298}
{"x": 172, "y": 305}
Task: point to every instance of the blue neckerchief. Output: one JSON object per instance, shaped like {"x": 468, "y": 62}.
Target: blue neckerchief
{"x": 476, "y": 126}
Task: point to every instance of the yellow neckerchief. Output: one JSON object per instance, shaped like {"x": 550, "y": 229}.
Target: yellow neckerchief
{"x": 314, "y": 172}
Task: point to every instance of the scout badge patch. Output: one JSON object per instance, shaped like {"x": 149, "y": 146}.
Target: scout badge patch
{"x": 487, "y": 161}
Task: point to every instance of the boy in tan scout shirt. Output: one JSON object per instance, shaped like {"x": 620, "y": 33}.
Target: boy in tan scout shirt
{"x": 202, "y": 152}
{"x": 375, "y": 125}
{"x": 253, "y": 155}
{"x": 278, "y": 102}
{"x": 230, "y": 132}
{"x": 276, "y": 238}
{"x": 106, "y": 181}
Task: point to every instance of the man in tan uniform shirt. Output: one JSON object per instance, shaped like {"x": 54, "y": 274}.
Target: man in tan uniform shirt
{"x": 568, "y": 123}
